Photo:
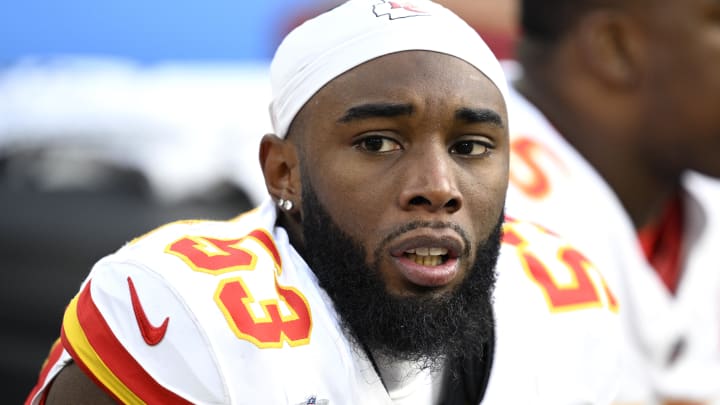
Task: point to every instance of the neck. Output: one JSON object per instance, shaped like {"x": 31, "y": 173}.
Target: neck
{"x": 294, "y": 230}
{"x": 607, "y": 144}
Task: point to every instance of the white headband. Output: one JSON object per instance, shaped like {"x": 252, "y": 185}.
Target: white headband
{"x": 357, "y": 31}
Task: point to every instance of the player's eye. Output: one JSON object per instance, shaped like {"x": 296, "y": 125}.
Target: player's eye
{"x": 471, "y": 148}
{"x": 377, "y": 144}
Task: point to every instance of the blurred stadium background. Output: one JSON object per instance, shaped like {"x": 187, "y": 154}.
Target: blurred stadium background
{"x": 116, "y": 117}
{"x": 119, "y": 116}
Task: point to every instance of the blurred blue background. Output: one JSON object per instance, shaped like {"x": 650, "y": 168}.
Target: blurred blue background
{"x": 117, "y": 116}
{"x": 146, "y": 31}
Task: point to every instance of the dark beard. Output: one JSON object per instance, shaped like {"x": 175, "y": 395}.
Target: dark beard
{"x": 423, "y": 329}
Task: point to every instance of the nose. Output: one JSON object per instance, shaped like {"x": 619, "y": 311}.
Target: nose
{"x": 431, "y": 184}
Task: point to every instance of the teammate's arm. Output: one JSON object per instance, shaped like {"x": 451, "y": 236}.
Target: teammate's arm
{"x": 72, "y": 386}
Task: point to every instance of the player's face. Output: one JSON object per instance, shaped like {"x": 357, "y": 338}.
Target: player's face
{"x": 683, "y": 83}
{"x": 408, "y": 154}
{"x": 422, "y": 329}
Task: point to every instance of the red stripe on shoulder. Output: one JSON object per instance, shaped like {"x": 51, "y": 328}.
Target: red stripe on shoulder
{"x": 266, "y": 240}
{"x": 117, "y": 359}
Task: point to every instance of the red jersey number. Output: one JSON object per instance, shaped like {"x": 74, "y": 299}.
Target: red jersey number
{"x": 580, "y": 292}
{"x": 266, "y": 323}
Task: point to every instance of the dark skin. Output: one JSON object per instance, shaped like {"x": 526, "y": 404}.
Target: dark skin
{"x": 429, "y": 142}
{"x": 72, "y": 386}
{"x": 425, "y": 145}
{"x": 635, "y": 89}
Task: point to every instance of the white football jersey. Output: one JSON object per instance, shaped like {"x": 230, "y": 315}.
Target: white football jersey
{"x": 671, "y": 344}
{"x": 210, "y": 312}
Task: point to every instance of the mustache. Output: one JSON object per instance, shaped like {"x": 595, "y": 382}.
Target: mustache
{"x": 413, "y": 225}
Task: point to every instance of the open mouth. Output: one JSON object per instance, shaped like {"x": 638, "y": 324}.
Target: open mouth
{"x": 427, "y": 256}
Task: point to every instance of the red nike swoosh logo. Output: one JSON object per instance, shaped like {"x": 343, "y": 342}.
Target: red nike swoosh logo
{"x": 150, "y": 333}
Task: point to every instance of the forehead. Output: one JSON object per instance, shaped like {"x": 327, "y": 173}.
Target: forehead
{"x": 413, "y": 77}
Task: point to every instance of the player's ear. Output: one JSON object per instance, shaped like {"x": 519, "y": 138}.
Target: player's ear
{"x": 280, "y": 165}
{"x": 608, "y": 43}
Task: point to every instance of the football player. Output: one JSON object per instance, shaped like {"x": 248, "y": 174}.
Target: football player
{"x": 614, "y": 117}
{"x": 383, "y": 270}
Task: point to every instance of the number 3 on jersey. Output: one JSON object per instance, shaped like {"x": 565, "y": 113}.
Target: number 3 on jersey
{"x": 577, "y": 290}
{"x": 285, "y": 317}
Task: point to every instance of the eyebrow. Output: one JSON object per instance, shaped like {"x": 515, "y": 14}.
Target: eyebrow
{"x": 376, "y": 110}
{"x": 384, "y": 110}
{"x": 479, "y": 115}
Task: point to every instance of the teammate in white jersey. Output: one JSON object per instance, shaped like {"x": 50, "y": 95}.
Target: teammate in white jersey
{"x": 615, "y": 114}
{"x": 369, "y": 277}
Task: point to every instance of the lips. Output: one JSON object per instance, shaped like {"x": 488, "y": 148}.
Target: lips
{"x": 428, "y": 258}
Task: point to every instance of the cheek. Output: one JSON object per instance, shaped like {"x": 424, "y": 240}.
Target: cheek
{"x": 354, "y": 198}
{"x": 485, "y": 199}
{"x": 692, "y": 99}
{"x": 489, "y": 184}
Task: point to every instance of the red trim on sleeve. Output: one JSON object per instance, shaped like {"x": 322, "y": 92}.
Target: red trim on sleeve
{"x": 112, "y": 353}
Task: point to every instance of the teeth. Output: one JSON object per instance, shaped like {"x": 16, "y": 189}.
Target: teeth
{"x": 427, "y": 256}
{"x": 426, "y": 260}
{"x": 436, "y": 251}
{"x": 425, "y": 251}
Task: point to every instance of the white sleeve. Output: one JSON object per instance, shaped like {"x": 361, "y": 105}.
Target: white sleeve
{"x": 130, "y": 329}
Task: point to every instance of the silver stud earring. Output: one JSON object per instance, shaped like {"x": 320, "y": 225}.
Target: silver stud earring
{"x": 286, "y": 205}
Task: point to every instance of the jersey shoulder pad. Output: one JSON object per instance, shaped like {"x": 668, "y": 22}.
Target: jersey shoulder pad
{"x": 210, "y": 247}
{"x": 138, "y": 337}
{"x": 563, "y": 276}
{"x": 555, "y": 315}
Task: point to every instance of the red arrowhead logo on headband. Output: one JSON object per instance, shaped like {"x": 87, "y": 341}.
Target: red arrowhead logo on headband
{"x": 398, "y": 9}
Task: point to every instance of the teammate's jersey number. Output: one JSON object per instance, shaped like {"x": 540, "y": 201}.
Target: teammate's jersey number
{"x": 526, "y": 173}
{"x": 292, "y": 323}
{"x": 581, "y": 292}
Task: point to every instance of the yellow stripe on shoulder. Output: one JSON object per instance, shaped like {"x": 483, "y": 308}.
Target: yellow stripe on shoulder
{"x": 90, "y": 359}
